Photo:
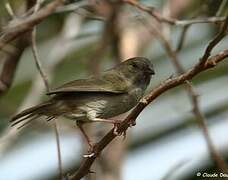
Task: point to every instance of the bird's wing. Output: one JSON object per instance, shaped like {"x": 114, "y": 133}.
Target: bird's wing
{"x": 108, "y": 83}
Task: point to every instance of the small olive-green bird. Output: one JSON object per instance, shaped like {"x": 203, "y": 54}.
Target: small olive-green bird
{"x": 97, "y": 98}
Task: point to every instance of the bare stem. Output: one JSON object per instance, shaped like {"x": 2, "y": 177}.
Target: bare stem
{"x": 193, "y": 95}
{"x": 58, "y": 149}
{"x": 45, "y": 80}
{"x": 157, "y": 15}
{"x": 37, "y": 61}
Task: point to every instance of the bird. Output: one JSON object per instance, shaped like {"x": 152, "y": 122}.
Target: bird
{"x": 95, "y": 99}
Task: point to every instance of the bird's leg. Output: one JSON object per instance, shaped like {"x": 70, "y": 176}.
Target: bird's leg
{"x": 80, "y": 124}
{"x": 115, "y": 122}
{"x": 132, "y": 123}
{"x": 91, "y": 146}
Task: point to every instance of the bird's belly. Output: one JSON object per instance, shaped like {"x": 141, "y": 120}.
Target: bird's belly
{"x": 101, "y": 105}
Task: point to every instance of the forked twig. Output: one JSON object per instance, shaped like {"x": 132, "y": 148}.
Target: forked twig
{"x": 157, "y": 15}
{"x": 191, "y": 92}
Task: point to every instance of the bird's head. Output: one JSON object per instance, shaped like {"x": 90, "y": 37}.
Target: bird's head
{"x": 138, "y": 70}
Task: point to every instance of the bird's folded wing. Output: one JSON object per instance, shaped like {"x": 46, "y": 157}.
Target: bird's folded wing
{"x": 105, "y": 84}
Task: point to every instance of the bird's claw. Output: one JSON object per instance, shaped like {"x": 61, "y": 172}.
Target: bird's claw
{"x": 132, "y": 123}
{"x": 89, "y": 155}
{"x": 91, "y": 152}
{"x": 91, "y": 172}
{"x": 115, "y": 130}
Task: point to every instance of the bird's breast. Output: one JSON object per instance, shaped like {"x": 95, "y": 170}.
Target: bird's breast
{"x": 120, "y": 103}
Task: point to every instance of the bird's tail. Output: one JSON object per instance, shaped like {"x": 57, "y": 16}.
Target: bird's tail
{"x": 30, "y": 114}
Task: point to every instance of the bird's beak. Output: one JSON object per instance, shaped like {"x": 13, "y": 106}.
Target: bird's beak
{"x": 150, "y": 71}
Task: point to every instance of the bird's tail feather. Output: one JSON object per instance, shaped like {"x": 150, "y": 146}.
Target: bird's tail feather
{"x": 29, "y": 114}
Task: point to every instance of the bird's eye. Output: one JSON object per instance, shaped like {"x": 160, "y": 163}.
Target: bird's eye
{"x": 134, "y": 65}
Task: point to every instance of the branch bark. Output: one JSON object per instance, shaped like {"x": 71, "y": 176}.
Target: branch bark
{"x": 18, "y": 28}
{"x": 11, "y": 61}
{"x": 12, "y": 57}
{"x": 217, "y": 158}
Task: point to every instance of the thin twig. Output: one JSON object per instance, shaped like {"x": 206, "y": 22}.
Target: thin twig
{"x": 37, "y": 61}
{"x": 198, "y": 21}
{"x": 182, "y": 38}
{"x": 193, "y": 97}
{"x": 72, "y": 7}
{"x": 58, "y": 149}
{"x": 203, "y": 123}
{"x": 217, "y": 158}
{"x": 35, "y": 51}
{"x": 16, "y": 29}
{"x": 45, "y": 80}
{"x": 221, "y": 7}
{"x": 215, "y": 41}
{"x": 154, "y": 12}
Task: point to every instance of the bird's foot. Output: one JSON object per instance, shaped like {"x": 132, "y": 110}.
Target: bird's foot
{"x": 91, "y": 172}
{"x": 89, "y": 155}
{"x": 132, "y": 123}
{"x": 91, "y": 152}
{"x": 116, "y": 126}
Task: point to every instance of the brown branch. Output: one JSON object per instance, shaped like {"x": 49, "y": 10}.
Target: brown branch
{"x": 18, "y": 28}
{"x": 217, "y": 158}
{"x": 221, "y": 164}
{"x": 150, "y": 10}
{"x": 182, "y": 38}
{"x": 154, "y": 13}
{"x": 215, "y": 41}
{"x": 11, "y": 61}
{"x": 12, "y": 58}
{"x": 198, "y": 21}
{"x": 194, "y": 98}
{"x": 157, "y": 91}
